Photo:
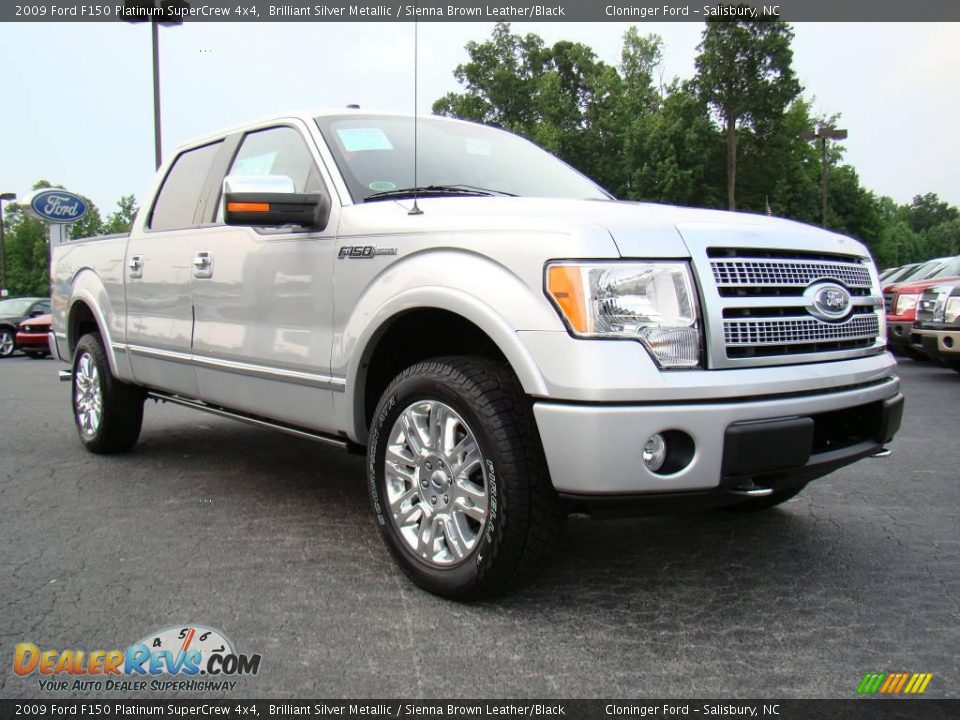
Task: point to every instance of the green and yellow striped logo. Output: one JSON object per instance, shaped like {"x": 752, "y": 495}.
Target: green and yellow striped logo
{"x": 894, "y": 683}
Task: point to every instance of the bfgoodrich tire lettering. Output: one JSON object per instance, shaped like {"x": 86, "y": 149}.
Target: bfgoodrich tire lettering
{"x": 108, "y": 413}
{"x": 521, "y": 517}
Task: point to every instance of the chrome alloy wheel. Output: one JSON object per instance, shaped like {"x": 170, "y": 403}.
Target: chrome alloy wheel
{"x": 6, "y": 343}
{"x": 87, "y": 396}
{"x": 436, "y": 483}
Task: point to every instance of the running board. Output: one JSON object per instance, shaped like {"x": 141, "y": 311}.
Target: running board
{"x": 341, "y": 443}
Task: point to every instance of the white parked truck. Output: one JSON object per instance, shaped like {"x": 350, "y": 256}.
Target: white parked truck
{"x": 506, "y": 341}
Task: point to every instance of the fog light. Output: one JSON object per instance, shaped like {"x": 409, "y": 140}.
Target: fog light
{"x": 655, "y": 452}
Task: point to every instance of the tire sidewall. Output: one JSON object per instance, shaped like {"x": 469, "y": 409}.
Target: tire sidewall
{"x": 13, "y": 338}
{"x": 90, "y": 346}
{"x": 461, "y": 577}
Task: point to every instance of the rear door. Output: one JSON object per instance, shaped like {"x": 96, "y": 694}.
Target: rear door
{"x": 263, "y": 298}
{"x": 159, "y": 272}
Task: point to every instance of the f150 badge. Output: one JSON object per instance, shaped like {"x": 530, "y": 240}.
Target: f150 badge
{"x": 363, "y": 252}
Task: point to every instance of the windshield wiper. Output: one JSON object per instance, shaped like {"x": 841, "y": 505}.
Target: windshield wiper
{"x": 435, "y": 191}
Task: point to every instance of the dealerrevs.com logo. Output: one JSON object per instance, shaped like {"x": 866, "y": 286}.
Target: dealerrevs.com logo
{"x": 189, "y": 658}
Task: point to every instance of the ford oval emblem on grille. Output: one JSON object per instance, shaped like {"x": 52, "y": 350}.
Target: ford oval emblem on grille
{"x": 828, "y": 301}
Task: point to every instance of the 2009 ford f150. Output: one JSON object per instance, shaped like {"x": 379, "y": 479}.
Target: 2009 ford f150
{"x": 507, "y": 342}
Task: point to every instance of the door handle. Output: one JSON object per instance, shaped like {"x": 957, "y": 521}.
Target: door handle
{"x": 203, "y": 265}
{"x": 135, "y": 266}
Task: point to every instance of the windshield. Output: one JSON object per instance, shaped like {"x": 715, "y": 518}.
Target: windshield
{"x": 899, "y": 273}
{"x": 375, "y": 155}
{"x": 923, "y": 271}
{"x": 951, "y": 269}
{"x": 15, "y": 306}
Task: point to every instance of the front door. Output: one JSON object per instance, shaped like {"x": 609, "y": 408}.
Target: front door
{"x": 263, "y": 298}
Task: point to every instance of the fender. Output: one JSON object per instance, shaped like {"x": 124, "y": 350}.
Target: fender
{"x": 88, "y": 287}
{"x": 481, "y": 284}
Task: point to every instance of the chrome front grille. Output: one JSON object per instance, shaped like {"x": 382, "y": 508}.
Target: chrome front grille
{"x": 763, "y": 306}
{"x": 888, "y": 301}
{"x": 798, "y": 331}
{"x": 786, "y": 273}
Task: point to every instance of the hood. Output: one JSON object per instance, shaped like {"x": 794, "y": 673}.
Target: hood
{"x": 637, "y": 229}
{"x": 37, "y": 321}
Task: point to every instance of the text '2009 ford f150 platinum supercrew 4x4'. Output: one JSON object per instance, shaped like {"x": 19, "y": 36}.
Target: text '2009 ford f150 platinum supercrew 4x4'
{"x": 507, "y": 341}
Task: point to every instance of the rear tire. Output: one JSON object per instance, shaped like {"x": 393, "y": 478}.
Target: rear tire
{"x": 458, "y": 479}
{"x": 108, "y": 413}
{"x": 759, "y": 504}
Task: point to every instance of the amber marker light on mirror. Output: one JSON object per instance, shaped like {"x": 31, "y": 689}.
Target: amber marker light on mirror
{"x": 248, "y": 207}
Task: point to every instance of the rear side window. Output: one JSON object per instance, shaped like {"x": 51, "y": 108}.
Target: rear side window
{"x": 177, "y": 201}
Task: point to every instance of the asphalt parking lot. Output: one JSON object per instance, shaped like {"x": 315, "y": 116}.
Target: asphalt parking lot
{"x": 269, "y": 538}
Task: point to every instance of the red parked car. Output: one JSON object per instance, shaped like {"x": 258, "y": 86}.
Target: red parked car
{"x": 901, "y": 305}
{"x": 32, "y": 336}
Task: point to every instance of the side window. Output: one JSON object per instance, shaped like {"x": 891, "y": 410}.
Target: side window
{"x": 177, "y": 201}
{"x": 276, "y": 151}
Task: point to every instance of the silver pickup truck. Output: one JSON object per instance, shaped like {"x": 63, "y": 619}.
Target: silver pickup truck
{"x": 506, "y": 341}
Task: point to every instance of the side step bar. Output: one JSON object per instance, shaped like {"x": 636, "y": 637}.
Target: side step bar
{"x": 341, "y": 443}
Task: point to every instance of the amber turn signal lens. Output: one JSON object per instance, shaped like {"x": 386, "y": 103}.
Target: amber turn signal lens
{"x": 248, "y": 207}
{"x": 565, "y": 285}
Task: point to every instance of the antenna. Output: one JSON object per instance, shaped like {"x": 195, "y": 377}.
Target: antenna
{"x": 415, "y": 210}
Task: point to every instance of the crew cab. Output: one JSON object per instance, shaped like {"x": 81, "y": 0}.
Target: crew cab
{"x": 504, "y": 340}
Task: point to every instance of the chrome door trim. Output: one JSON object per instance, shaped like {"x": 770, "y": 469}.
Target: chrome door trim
{"x": 326, "y": 382}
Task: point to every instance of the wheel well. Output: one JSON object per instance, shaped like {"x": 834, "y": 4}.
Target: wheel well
{"x": 80, "y": 322}
{"x": 415, "y": 336}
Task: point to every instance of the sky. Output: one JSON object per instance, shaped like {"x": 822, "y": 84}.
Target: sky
{"x": 77, "y": 98}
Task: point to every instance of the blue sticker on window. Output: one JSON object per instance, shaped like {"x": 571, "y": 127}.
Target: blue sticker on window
{"x": 359, "y": 139}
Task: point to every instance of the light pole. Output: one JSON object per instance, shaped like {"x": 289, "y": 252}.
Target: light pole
{"x": 142, "y": 10}
{"x": 821, "y": 135}
{"x": 9, "y": 197}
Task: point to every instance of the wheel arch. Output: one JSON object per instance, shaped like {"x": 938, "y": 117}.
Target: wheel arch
{"x": 459, "y": 324}
{"x": 85, "y": 314}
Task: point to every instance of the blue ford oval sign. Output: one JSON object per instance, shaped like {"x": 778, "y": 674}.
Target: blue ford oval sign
{"x": 58, "y": 206}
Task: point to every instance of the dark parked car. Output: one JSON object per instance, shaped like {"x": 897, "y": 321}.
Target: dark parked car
{"x": 32, "y": 336}
{"x": 13, "y": 311}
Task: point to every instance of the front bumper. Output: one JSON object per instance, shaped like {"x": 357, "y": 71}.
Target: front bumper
{"x": 900, "y": 333}
{"x": 595, "y": 449}
{"x": 33, "y": 341}
{"x": 943, "y": 345}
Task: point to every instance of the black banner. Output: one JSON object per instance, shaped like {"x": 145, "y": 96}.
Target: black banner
{"x": 481, "y": 11}
{"x": 854, "y": 709}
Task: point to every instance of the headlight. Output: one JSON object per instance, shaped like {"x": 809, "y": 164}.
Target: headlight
{"x": 951, "y": 312}
{"x": 652, "y": 302}
{"x": 906, "y": 303}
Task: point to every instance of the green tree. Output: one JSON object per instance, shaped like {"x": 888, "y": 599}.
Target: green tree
{"x": 121, "y": 220}
{"x": 744, "y": 71}
{"x": 929, "y": 210}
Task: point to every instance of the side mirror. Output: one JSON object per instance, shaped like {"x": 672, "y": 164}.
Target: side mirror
{"x": 270, "y": 201}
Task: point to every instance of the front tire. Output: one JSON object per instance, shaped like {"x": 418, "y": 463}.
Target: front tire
{"x": 108, "y": 413}
{"x": 8, "y": 342}
{"x": 458, "y": 479}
